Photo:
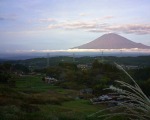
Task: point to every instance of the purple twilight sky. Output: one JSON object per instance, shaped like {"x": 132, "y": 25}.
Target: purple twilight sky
{"x": 63, "y": 24}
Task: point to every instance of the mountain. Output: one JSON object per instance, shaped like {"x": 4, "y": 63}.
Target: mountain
{"x": 112, "y": 41}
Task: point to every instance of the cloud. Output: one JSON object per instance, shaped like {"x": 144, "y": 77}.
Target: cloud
{"x": 108, "y": 17}
{"x": 47, "y": 20}
{"x": 85, "y": 50}
{"x": 125, "y": 28}
{"x": 74, "y": 25}
{"x": 105, "y": 18}
{"x": 99, "y": 25}
{"x": 79, "y": 24}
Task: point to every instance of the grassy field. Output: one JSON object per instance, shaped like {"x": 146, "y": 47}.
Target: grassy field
{"x": 33, "y": 83}
{"x": 32, "y": 99}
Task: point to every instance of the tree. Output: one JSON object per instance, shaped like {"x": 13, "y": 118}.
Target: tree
{"x": 5, "y": 73}
{"x": 22, "y": 68}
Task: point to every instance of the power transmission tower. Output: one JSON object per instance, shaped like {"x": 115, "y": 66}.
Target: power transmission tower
{"x": 121, "y": 55}
{"x": 73, "y": 58}
{"x": 47, "y": 59}
{"x": 102, "y": 56}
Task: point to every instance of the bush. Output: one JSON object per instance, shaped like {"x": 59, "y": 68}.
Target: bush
{"x": 135, "y": 104}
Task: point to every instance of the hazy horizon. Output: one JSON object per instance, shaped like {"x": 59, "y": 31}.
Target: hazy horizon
{"x": 70, "y": 53}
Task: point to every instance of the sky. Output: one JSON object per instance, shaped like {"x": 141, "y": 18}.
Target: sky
{"x": 36, "y": 25}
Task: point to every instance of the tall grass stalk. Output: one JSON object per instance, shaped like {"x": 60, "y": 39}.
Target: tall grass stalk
{"x": 135, "y": 104}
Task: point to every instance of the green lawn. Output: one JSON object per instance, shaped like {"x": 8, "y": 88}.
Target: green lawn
{"x": 33, "y": 83}
{"x": 77, "y": 110}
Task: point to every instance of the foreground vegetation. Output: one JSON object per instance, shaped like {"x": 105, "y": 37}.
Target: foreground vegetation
{"x": 134, "y": 103}
{"x": 32, "y": 99}
{"x": 24, "y": 94}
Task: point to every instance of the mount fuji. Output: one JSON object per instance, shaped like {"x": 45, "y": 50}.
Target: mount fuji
{"x": 112, "y": 41}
